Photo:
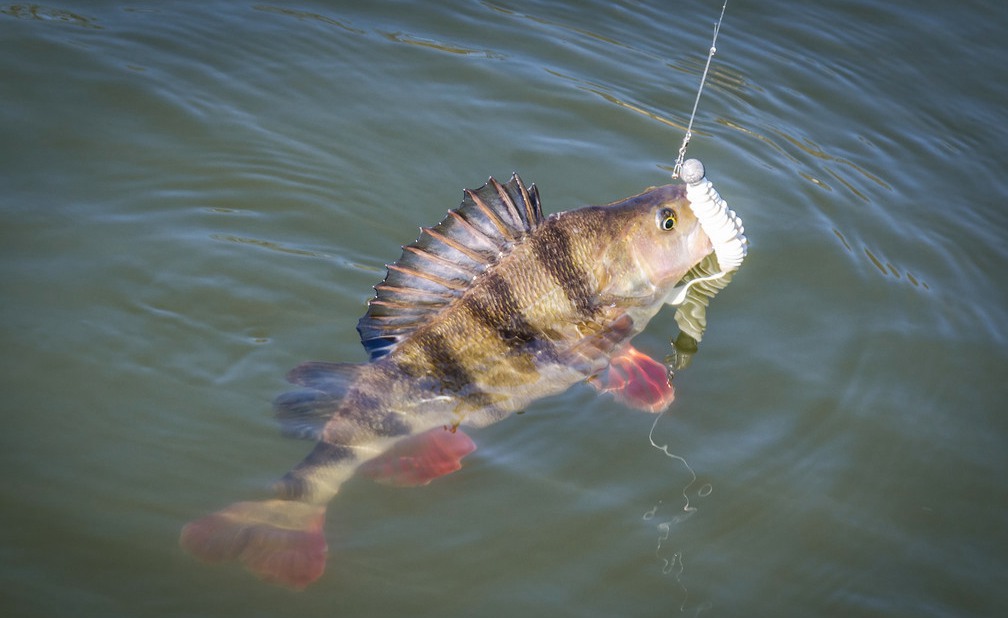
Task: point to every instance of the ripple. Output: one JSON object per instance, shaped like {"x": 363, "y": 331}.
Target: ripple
{"x": 265, "y": 244}
{"x": 309, "y": 16}
{"x": 48, "y": 14}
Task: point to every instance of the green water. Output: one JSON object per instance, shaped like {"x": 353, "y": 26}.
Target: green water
{"x": 195, "y": 197}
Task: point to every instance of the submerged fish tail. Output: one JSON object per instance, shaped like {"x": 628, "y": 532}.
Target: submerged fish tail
{"x": 280, "y": 541}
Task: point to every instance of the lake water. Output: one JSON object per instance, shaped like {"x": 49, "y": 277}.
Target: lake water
{"x": 197, "y": 196}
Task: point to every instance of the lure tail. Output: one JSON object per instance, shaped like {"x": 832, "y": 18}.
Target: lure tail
{"x": 280, "y": 541}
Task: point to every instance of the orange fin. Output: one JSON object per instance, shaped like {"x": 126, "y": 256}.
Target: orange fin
{"x": 280, "y": 541}
{"x": 636, "y": 380}
{"x": 419, "y": 459}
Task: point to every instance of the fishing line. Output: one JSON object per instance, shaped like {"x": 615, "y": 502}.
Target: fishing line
{"x": 673, "y": 560}
{"x": 696, "y": 102}
{"x": 705, "y": 490}
{"x": 688, "y": 509}
{"x": 674, "y": 564}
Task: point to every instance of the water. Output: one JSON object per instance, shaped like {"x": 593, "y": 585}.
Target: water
{"x": 198, "y": 196}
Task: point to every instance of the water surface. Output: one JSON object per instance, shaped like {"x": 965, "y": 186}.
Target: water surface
{"x": 195, "y": 197}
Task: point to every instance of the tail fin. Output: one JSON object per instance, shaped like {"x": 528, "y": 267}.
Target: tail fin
{"x": 280, "y": 541}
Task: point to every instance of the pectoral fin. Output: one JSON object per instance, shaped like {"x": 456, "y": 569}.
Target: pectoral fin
{"x": 637, "y": 380}
{"x": 419, "y": 459}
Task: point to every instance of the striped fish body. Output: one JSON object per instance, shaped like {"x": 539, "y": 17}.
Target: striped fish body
{"x": 491, "y": 309}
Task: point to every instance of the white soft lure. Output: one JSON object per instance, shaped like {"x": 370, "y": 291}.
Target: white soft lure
{"x": 722, "y": 225}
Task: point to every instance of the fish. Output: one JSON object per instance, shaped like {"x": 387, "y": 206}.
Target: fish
{"x": 489, "y": 310}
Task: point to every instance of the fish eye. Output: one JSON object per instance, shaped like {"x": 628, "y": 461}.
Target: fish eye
{"x": 666, "y": 219}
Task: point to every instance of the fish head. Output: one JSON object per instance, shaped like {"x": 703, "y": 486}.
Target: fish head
{"x": 658, "y": 239}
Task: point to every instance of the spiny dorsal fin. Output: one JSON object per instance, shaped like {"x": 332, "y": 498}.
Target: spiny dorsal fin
{"x": 440, "y": 265}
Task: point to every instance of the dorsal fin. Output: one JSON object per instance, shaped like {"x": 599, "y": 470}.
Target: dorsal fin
{"x": 440, "y": 265}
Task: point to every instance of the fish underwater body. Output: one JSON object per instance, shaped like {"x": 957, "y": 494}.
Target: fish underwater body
{"x": 494, "y": 307}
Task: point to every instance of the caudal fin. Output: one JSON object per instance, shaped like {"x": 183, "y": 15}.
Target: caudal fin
{"x": 280, "y": 541}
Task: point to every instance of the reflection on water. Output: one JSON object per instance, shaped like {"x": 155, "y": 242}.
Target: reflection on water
{"x": 42, "y": 13}
{"x": 307, "y": 15}
{"x": 399, "y": 37}
{"x": 265, "y": 244}
{"x": 886, "y": 269}
{"x": 198, "y": 196}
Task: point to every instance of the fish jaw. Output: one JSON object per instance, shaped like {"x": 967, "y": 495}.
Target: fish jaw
{"x": 673, "y": 260}
{"x": 646, "y": 261}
